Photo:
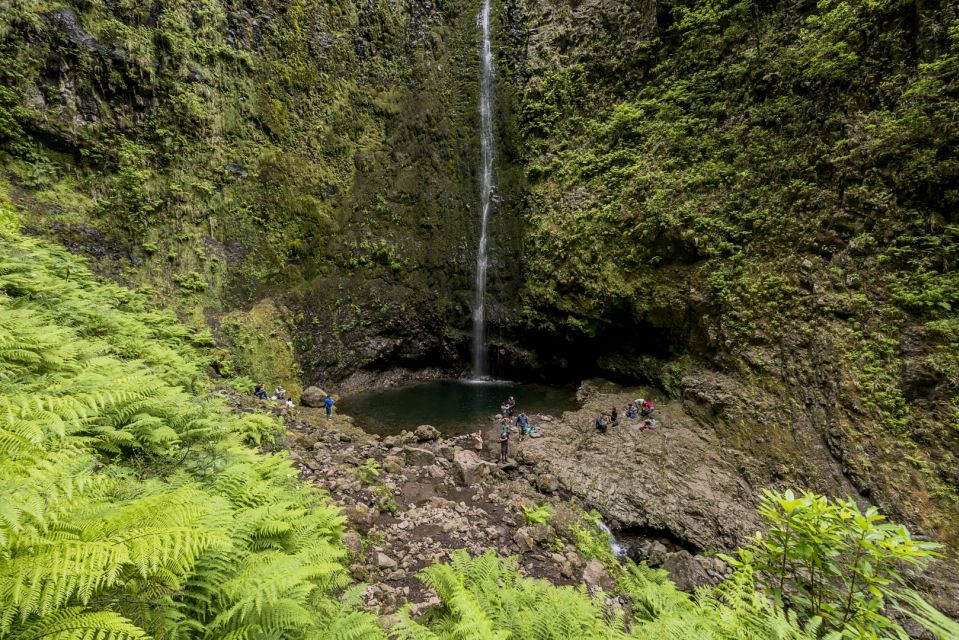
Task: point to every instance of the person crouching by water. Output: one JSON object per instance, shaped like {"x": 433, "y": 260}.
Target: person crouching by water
{"x": 504, "y": 444}
{"x": 600, "y": 424}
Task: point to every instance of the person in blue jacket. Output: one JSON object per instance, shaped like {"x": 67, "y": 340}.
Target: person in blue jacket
{"x": 328, "y": 403}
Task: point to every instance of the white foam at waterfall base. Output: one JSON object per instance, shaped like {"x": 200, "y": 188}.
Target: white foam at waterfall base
{"x": 479, "y": 344}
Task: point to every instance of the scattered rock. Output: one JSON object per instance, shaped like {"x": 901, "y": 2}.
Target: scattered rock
{"x": 392, "y": 464}
{"x": 596, "y": 577}
{"x": 547, "y": 483}
{"x": 383, "y": 561}
{"x": 427, "y": 433}
{"x": 417, "y": 456}
{"x": 523, "y": 540}
{"x": 353, "y": 544}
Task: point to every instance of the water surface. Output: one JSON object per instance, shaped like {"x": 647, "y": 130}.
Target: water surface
{"x": 452, "y": 406}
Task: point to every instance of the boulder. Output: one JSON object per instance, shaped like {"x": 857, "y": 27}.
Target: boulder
{"x": 523, "y": 540}
{"x": 392, "y": 464}
{"x": 656, "y": 554}
{"x": 353, "y": 544}
{"x": 417, "y": 456}
{"x": 313, "y": 397}
{"x": 596, "y": 577}
{"x": 426, "y": 433}
{"x": 685, "y": 570}
{"x": 361, "y": 515}
{"x": 547, "y": 483}
{"x": 468, "y": 468}
{"x": 383, "y": 561}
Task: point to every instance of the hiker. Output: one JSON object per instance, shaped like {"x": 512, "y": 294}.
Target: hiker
{"x": 478, "y": 440}
{"x": 522, "y": 424}
{"x": 280, "y": 394}
{"x": 328, "y": 403}
{"x": 259, "y": 392}
{"x": 504, "y": 425}
{"x": 510, "y": 404}
{"x": 613, "y": 418}
{"x": 504, "y": 444}
{"x": 600, "y": 424}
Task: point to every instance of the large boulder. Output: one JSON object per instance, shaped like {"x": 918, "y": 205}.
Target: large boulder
{"x": 596, "y": 577}
{"x": 313, "y": 397}
{"x": 685, "y": 570}
{"x": 418, "y": 457}
{"x": 427, "y": 433}
{"x": 469, "y": 468}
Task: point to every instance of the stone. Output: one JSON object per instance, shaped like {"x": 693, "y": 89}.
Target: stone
{"x": 353, "y": 544}
{"x": 383, "y": 561}
{"x": 418, "y": 456}
{"x": 523, "y": 540}
{"x": 685, "y": 570}
{"x": 540, "y": 532}
{"x": 547, "y": 483}
{"x": 427, "y": 433}
{"x": 313, "y": 397}
{"x": 596, "y": 577}
{"x": 468, "y": 468}
{"x": 361, "y": 515}
{"x": 656, "y": 554}
{"x": 446, "y": 452}
{"x": 392, "y": 464}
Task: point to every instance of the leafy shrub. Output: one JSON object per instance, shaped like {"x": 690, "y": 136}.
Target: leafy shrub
{"x": 538, "y": 514}
{"x": 828, "y": 560}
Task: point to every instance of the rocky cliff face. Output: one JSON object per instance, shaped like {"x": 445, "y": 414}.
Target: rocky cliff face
{"x": 319, "y": 153}
{"x": 753, "y": 206}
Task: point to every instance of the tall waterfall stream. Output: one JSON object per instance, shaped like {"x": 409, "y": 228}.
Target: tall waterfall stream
{"x": 479, "y": 346}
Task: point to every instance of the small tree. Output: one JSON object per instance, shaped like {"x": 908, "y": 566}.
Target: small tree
{"x": 827, "y": 559}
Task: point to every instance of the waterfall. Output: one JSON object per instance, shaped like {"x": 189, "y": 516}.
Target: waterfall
{"x": 479, "y": 346}
{"x": 619, "y": 551}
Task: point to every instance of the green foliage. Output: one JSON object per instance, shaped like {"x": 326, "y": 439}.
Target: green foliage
{"x": 368, "y": 472}
{"x": 538, "y": 514}
{"x": 828, "y": 560}
{"x": 128, "y": 506}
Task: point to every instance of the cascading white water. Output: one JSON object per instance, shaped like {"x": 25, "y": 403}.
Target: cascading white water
{"x": 480, "y": 355}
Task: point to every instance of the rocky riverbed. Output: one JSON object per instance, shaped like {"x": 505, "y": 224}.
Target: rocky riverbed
{"x": 676, "y": 494}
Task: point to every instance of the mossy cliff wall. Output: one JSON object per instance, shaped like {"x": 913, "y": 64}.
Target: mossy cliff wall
{"x": 224, "y": 152}
{"x": 753, "y": 204}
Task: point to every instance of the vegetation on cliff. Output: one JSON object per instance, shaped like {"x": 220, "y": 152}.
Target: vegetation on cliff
{"x": 768, "y": 190}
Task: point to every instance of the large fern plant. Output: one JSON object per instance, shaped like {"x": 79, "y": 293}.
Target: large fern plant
{"x": 129, "y": 505}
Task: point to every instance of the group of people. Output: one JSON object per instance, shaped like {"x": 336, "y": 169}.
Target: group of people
{"x": 280, "y": 395}
{"x": 260, "y": 392}
{"x": 640, "y": 408}
{"x": 522, "y": 425}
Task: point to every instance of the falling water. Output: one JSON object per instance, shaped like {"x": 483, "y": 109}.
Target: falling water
{"x": 480, "y": 356}
{"x": 619, "y": 551}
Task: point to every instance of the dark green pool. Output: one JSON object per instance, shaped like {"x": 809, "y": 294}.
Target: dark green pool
{"x": 452, "y": 406}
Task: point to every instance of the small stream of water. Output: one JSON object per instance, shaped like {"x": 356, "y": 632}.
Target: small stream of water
{"x": 479, "y": 346}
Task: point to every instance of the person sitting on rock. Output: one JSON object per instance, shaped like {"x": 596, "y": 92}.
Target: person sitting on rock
{"x": 280, "y": 393}
{"x": 600, "y": 424}
{"x": 646, "y": 409}
{"x": 631, "y": 411}
{"x": 613, "y": 418}
{"x": 259, "y": 392}
{"x": 648, "y": 423}
{"x": 504, "y": 445}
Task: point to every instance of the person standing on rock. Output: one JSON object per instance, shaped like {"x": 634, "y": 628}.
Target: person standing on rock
{"x": 613, "y": 418}
{"x": 504, "y": 445}
{"x": 328, "y": 403}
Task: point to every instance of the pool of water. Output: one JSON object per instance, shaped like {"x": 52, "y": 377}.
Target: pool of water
{"x": 452, "y": 406}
